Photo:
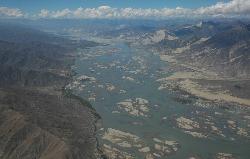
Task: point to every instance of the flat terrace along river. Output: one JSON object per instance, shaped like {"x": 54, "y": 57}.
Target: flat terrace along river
{"x": 141, "y": 120}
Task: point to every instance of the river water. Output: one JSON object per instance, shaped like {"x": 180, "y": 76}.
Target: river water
{"x": 125, "y": 72}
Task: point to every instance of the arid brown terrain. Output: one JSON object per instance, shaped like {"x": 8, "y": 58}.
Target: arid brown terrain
{"x": 38, "y": 118}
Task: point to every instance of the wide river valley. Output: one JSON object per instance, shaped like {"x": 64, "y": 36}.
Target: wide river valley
{"x": 140, "y": 119}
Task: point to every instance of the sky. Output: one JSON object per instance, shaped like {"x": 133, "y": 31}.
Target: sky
{"x": 34, "y": 5}
{"x": 122, "y": 8}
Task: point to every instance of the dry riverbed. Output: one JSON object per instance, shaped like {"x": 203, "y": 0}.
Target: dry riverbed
{"x": 122, "y": 140}
{"x": 204, "y": 84}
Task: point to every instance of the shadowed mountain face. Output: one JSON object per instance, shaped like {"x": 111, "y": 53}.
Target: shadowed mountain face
{"x": 39, "y": 125}
{"x": 38, "y": 119}
{"x": 33, "y": 63}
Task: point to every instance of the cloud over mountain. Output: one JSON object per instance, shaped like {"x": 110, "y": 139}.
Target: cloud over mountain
{"x": 232, "y": 8}
{"x": 226, "y": 9}
{"x": 10, "y": 12}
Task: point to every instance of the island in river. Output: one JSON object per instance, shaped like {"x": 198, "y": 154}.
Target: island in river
{"x": 141, "y": 118}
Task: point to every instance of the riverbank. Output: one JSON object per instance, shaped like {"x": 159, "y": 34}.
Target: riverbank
{"x": 38, "y": 118}
{"x": 205, "y": 84}
{"x": 137, "y": 109}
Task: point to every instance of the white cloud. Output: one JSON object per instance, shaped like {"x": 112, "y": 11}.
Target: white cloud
{"x": 226, "y": 9}
{"x": 63, "y": 13}
{"x": 44, "y": 13}
{"x": 231, "y": 8}
{"x": 234, "y": 7}
{"x": 10, "y": 12}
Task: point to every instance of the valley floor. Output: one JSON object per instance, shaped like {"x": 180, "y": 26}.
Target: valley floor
{"x": 151, "y": 108}
{"x": 206, "y": 84}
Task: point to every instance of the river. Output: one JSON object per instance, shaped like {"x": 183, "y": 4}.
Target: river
{"x": 120, "y": 72}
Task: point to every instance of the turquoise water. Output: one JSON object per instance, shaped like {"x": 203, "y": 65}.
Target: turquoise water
{"x": 162, "y": 103}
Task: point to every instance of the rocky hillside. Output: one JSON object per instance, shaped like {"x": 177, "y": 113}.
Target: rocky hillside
{"x": 222, "y": 47}
{"x": 38, "y": 119}
{"x": 227, "y": 52}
